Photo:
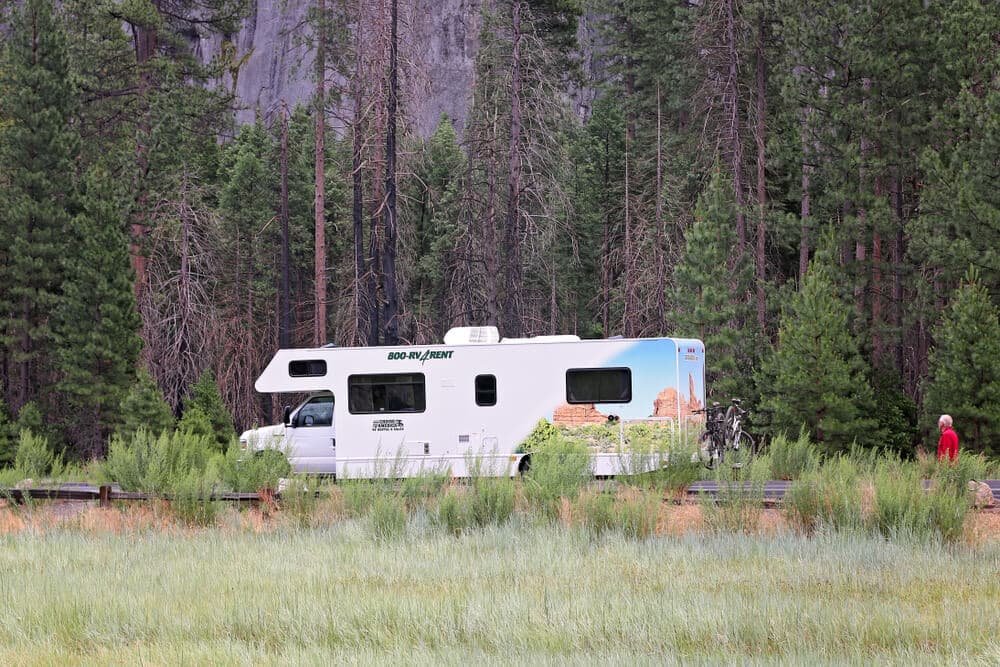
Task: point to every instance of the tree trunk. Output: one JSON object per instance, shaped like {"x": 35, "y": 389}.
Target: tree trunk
{"x": 897, "y": 270}
{"x": 734, "y": 129}
{"x": 319, "y": 205}
{"x": 806, "y": 194}
{"x": 361, "y": 301}
{"x": 760, "y": 135}
{"x": 661, "y": 260}
{"x": 513, "y": 325}
{"x": 285, "y": 296}
{"x": 145, "y": 39}
{"x": 389, "y": 254}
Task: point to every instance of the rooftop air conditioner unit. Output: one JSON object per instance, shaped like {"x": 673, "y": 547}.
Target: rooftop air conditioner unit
{"x": 472, "y": 336}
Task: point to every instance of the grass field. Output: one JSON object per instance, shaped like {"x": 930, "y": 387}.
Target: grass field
{"x": 523, "y": 592}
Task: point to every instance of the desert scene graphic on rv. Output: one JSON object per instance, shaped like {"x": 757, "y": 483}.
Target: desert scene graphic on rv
{"x": 666, "y": 388}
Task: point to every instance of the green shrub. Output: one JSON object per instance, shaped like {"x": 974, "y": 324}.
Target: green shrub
{"x": 190, "y": 498}
{"x": 597, "y": 512}
{"x": 903, "y": 507}
{"x": 424, "y": 488}
{"x": 145, "y": 408}
{"x": 829, "y": 496}
{"x": 558, "y": 470}
{"x": 33, "y": 459}
{"x": 206, "y": 399}
{"x": 539, "y": 438}
{"x": 791, "y": 458}
{"x": 360, "y": 495}
{"x": 153, "y": 464}
{"x": 492, "y": 500}
{"x": 453, "y": 512}
{"x": 388, "y": 516}
{"x": 299, "y": 499}
{"x": 738, "y": 501}
{"x": 247, "y": 472}
{"x": 635, "y": 514}
{"x": 8, "y": 441}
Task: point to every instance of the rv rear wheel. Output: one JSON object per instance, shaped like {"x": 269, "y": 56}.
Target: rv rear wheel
{"x": 524, "y": 465}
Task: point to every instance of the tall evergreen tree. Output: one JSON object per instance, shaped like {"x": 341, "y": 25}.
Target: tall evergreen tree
{"x": 708, "y": 297}
{"x": 95, "y": 323}
{"x": 964, "y": 376}
{"x": 144, "y": 407}
{"x": 38, "y": 151}
{"x": 205, "y": 398}
{"x": 816, "y": 376}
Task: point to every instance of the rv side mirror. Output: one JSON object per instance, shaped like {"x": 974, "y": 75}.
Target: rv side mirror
{"x": 288, "y": 414}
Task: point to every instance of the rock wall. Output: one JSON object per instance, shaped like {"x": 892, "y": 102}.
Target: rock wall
{"x": 439, "y": 39}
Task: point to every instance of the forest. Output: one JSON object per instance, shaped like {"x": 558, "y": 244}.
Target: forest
{"x": 811, "y": 187}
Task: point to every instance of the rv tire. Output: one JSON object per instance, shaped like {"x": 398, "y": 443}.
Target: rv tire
{"x": 524, "y": 465}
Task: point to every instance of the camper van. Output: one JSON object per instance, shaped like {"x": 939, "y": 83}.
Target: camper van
{"x": 471, "y": 401}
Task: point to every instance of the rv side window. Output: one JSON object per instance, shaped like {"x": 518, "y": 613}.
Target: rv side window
{"x": 307, "y": 368}
{"x": 599, "y": 385}
{"x": 486, "y": 390}
{"x": 373, "y": 394}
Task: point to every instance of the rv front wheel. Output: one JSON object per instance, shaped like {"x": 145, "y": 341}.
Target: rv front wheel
{"x": 524, "y": 465}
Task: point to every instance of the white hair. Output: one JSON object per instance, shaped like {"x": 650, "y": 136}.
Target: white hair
{"x": 944, "y": 419}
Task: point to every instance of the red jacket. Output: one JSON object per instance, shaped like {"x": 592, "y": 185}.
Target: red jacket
{"x": 948, "y": 444}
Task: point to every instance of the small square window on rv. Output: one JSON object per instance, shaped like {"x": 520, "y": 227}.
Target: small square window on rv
{"x": 374, "y": 394}
{"x": 599, "y": 385}
{"x": 307, "y": 368}
{"x": 486, "y": 390}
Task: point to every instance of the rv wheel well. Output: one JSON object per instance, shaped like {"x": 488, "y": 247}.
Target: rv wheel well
{"x": 524, "y": 465}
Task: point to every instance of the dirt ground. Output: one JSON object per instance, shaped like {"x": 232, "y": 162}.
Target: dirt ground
{"x": 673, "y": 520}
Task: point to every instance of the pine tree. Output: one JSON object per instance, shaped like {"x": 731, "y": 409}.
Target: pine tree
{"x": 816, "y": 376}
{"x": 205, "y": 398}
{"x": 8, "y": 444}
{"x": 37, "y": 152}
{"x": 708, "y": 296}
{"x": 965, "y": 368}
{"x": 95, "y": 323}
{"x": 145, "y": 407}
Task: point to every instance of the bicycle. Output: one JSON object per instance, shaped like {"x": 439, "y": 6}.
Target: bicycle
{"x": 724, "y": 436}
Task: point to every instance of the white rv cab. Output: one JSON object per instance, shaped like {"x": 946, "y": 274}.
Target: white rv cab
{"x": 376, "y": 411}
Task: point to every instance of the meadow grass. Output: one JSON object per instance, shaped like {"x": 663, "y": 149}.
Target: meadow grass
{"x": 519, "y": 592}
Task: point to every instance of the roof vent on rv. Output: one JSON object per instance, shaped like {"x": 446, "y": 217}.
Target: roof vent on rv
{"x": 472, "y": 336}
{"x": 558, "y": 338}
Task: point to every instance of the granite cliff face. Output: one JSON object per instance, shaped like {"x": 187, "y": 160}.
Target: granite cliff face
{"x": 438, "y": 46}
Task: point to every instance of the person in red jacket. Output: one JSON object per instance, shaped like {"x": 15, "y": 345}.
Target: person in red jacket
{"x": 948, "y": 444}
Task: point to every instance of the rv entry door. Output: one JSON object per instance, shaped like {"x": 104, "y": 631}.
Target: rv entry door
{"x": 312, "y": 436}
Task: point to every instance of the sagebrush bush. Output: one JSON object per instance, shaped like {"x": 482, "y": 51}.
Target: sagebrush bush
{"x": 424, "y": 489}
{"x": 829, "y": 496}
{"x": 791, "y": 458}
{"x": 300, "y": 496}
{"x": 558, "y": 470}
{"x": 33, "y": 457}
{"x": 453, "y": 512}
{"x": 388, "y": 516}
{"x": 902, "y": 506}
{"x": 191, "y": 498}
{"x": 492, "y": 500}
{"x": 154, "y": 464}
{"x": 738, "y": 502}
{"x": 247, "y": 471}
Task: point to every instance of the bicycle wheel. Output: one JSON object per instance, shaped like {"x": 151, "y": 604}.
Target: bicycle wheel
{"x": 708, "y": 451}
{"x": 742, "y": 451}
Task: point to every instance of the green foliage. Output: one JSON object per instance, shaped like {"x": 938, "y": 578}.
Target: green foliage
{"x": 707, "y": 293}
{"x": 453, "y": 512}
{"x": 205, "y": 398}
{"x": 388, "y": 516}
{"x": 965, "y": 368}
{"x": 8, "y": 445}
{"x": 250, "y": 472}
{"x": 632, "y": 513}
{"x": 34, "y": 459}
{"x": 156, "y": 463}
{"x": 816, "y": 376}
{"x": 195, "y": 421}
{"x": 738, "y": 501}
{"x": 299, "y": 499}
{"x": 896, "y": 415}
{"x": 492, "y": 501}
{"x": 827, "y": 497}
{"x": 190, "y": 497}
{"x": 96, "y": 362}
{"x": 902, "y": 508}
{"x": 37, "y": 191}
{"x": 559, "y": 469}
{"x": 791, "y": 458}
{"x": 539, "y": 438}
{"x": 144, "y": 408}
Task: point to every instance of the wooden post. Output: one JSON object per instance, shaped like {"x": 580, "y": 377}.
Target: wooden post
{"x": 104, "y": 496}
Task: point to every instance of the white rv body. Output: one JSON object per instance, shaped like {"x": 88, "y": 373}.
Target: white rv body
{"x": 464, "y": 416}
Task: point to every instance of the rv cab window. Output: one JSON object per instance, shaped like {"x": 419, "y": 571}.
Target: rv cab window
{"x": 599, "y": 385}
{"x": 486, "y": 390}
{"x": 317, "y": 412}
{"x": 373, "y": 394}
